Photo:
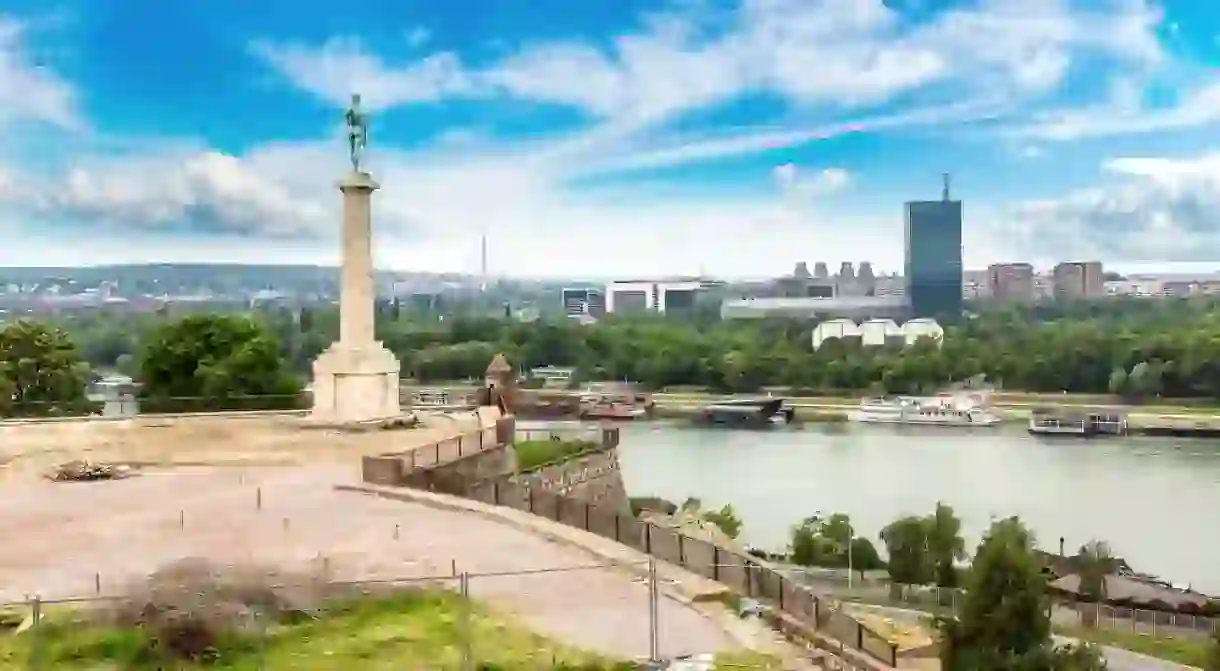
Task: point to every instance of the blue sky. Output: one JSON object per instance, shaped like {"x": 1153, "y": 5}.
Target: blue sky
{"x": 633, "y": 137}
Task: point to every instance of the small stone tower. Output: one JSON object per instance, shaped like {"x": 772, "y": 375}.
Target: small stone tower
{"x": 500, "y": 384}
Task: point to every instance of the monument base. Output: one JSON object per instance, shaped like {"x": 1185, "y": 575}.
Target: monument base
{"x": 355, "y": 384}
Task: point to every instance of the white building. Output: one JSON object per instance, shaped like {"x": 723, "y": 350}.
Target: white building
{"x": 652, "y": 295}
{"x": 877, "y": 332}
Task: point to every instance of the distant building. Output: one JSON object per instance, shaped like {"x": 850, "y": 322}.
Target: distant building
{"x": 1011, "y": 282}
{"x": 584, "y": 301}
{"x": 1075, "y": 280}
{"x": 933, "y": 263}
{"x": 801, "y": 284}
{"x": 669, "y": 295}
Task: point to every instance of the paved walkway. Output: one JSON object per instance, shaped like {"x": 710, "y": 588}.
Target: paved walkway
{"x": 71, "y": 533}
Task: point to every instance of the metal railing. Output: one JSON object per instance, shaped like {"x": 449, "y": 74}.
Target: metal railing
{"x": 1063, "y": 612}
{"x": 744, "y": 574}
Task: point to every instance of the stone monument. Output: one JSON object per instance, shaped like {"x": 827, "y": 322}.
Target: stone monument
{"x": 356, "y": 378}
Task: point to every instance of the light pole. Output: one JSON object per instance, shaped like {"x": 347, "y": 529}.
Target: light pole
{"x": 851, "y": 536}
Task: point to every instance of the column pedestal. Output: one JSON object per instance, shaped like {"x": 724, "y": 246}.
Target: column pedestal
{"x": 352, "y": 385}
{"x": 356, "y": 378}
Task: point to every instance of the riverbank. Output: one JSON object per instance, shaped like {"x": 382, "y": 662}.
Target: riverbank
{"x": 1141, "y": 420}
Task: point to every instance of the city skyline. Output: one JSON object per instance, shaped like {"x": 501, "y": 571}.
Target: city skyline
{"x": 714, "y": 138}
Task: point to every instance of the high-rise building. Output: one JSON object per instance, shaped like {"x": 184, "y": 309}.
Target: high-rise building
{"x": 1011, "y": 282}
{"x": 1074, "y": 280}
{"x": 933, "y": 264}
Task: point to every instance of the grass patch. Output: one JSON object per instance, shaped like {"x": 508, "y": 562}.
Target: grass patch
{"x": 413, "y": 629}
{"x": 813, "y": 416}
{"x": 533, "y": 454}
{"x": 1188, "y": 650}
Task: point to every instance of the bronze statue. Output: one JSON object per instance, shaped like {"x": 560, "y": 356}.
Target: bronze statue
{"x": 357, "y": 131}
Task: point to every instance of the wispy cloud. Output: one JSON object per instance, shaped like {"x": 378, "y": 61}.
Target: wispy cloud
{"x": 28, "y": 91}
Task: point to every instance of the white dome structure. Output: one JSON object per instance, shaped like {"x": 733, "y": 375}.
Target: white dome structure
{"x": 877, "y": 332}
{"x": 923, "y": 328}
{"x": 834, "y": 329}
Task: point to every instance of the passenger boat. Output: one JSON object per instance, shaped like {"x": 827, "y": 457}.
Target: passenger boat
{"x": 949, "y": 409}
{"x": 1063, "y": 422}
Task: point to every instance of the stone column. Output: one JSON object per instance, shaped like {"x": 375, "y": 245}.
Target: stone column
{"x": 356, "y": 378}
{"x": 357, "y": 293}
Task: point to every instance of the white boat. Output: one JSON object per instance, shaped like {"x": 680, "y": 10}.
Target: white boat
{"x": 956, "y": 409}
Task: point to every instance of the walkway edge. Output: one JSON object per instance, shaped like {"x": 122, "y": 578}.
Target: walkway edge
{"x": 693, "y": 591}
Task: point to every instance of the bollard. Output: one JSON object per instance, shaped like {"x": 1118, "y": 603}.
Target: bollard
{"x": 97, "y": 583}
{"x": 285, "y": 523}
{"x": 453, "y": 567}
{"x": 395, "y": 532}
{"x": 181, "y": 519}
{"x": 258, "y": 499}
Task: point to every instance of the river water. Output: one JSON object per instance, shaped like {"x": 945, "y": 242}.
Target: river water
{"x": 1155, "y": 500}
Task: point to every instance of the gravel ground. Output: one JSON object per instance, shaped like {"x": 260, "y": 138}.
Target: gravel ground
{"x": 68, "y": 535}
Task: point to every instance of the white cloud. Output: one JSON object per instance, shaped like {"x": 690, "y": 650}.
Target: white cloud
{"x": 341, "y": 67}
{"x": 1159, "y": 209}
{"x": 28, "y": 91}
{"x": 836, "y": 52}
{"x": 801, "y": 187}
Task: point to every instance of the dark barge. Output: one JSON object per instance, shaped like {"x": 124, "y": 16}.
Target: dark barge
{"x": 746, "y": 413}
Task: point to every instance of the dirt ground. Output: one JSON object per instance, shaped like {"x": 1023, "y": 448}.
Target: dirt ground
{"x": 259, "y": 489}
{"x": 70, "y": 536}
{"x": 254, "y": 439}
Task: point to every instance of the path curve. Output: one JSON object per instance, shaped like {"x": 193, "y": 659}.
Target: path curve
{"x": 72, "y": 532}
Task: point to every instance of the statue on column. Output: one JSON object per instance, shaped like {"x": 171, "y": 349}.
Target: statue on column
{"x": 357, "y": 131}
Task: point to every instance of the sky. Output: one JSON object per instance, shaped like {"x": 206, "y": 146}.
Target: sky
{"x": 628, "y": 138}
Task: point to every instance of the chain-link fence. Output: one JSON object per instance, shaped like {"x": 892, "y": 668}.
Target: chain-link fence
{"x": 263, "y": 618}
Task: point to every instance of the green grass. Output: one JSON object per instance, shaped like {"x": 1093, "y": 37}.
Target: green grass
{"x": 409, "y": 630}
{"x": 1188, "y": 650}
{"x": 532, "y": 454}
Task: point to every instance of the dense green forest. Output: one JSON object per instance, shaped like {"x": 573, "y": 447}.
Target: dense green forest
{"x": 1165, "y": 348}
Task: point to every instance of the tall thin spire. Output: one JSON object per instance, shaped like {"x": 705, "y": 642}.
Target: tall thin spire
{"x": 944, "y": 195}
{"x": 483, "y": 263}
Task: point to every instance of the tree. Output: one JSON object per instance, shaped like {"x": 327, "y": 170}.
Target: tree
{"x": 215, "y": 361}
{"x": 946, "y": 546}
{"x": 725, "y": 518}
{"x": 906, "y": 544}
{"x": 1004, "y": 620}
{"x": 809, "y": 547}
{"x": 41, "y": 372}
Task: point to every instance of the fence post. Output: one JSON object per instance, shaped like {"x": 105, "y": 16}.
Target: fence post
{"x": 467, "y": 630}
{"x": 460, "y": 441}
{"x": 817, "y": 616}
{"x": 859, "y": 635}
{"x": 530, "y": 495}
{"x": 495, "y": 492}
{"x": 35, "y": 625}
{"x": 618, "y": 534}
{"x": 681, "y": 548}
{"x": 648, "y": 539}
{"x": 780, "y": 598}
{"x": 716, "y": 563}
{"x": 587, "y": 506}
{"x": 558, "y": 508}
{"x": 653, "y": 624}
{"x": 436, "y": 449}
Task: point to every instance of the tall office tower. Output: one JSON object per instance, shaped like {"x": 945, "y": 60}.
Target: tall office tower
{"x": 933, "y": 264}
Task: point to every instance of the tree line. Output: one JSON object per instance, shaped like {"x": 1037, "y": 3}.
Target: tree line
{"x": 1140, "y": 349}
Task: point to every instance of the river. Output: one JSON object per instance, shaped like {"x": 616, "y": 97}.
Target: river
{"x": 1155, "y": 500}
